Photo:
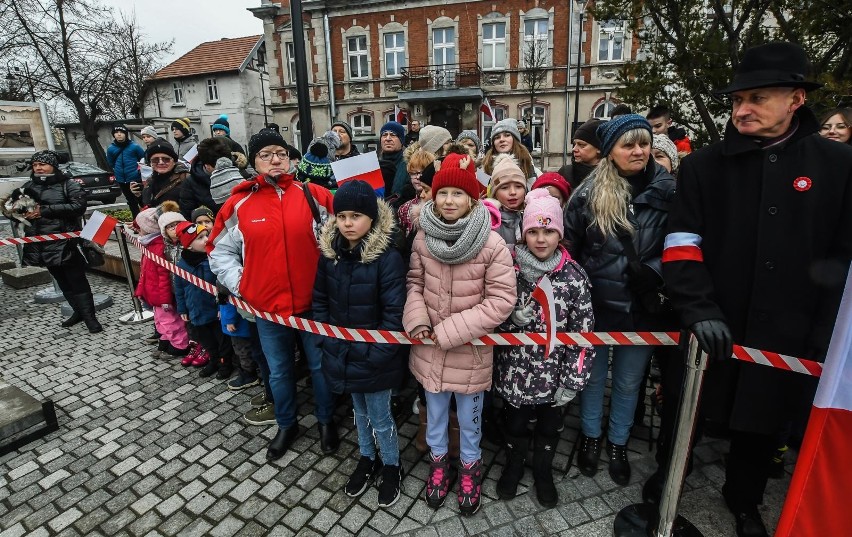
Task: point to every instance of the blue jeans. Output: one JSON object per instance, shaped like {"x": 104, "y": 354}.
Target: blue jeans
{"x": 277, "y": 342}
{"x": 469, "y": 412}
{"x": 260, "y": 359}
{"x": 375, "y": 423}
{"x": 628, "y": 375}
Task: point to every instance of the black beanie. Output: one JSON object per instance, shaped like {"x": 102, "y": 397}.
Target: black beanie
{"x": 428, "y": 174}
{"x": 357, "y": 196}
{"x": 264, "y": 138}
{"x": 120, "y": 128}
{"x": 588, "y": 132}
{"x": 182, "y": 125}
{"x": 202, "y": 210}
{"x": 160, "y": 146}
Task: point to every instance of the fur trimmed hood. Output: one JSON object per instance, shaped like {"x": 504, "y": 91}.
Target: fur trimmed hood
{"x": 373, "y": 245}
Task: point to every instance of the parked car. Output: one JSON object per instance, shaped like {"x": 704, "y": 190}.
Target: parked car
{"x": 99, "y": 185}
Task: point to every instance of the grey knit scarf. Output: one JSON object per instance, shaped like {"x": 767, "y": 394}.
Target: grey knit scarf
{"x": 533, "y": 268}
{"x": 458, "y": 242}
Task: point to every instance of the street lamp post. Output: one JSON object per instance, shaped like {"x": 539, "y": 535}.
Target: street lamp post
{"x": 579, "y": 55}
{"x": 12, "y": 67}
{"x": 262, "y": 72}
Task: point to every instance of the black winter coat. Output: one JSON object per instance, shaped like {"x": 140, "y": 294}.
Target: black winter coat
{"x": 160, "y": 189}
{"x": 575, "y": 173}
{"x": 603, "y": 258}
{"x": 361, "y": 288}
{"x": 195, "y": 191}
{"x": 59, "y": 214}
{"x": 774, "y": 232}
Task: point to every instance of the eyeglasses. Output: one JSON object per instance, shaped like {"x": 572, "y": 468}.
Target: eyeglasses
{"x": 161, "y": 160}
{"x": 415, "y": 175}
{"x": 837, "y": 126}
{"x": 266, "y": 156}
{"x": 387, "y": 134}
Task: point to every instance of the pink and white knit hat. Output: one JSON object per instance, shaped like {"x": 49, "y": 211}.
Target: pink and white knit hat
{"x": 543, "y": 211}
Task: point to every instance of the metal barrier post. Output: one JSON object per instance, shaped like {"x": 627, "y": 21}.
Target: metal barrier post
{"x": 645, "y": 519}
{"x": 138, "y": 315}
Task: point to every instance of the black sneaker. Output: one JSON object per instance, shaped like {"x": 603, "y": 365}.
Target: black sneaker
{"x": 224, "y": 372}
{"x": 588, "y": 455}
{"x": 243, "y": 381}
{"x": 363, "y": 476}
{"x": 619, "y": 466}
{"x": 390, "y": 484}
{"x": 210, "y": 369}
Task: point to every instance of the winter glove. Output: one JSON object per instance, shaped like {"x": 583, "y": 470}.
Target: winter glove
{"x": 563, "y": 396}
{"x": 642, "y": 279}
{"x": 522, "y": 317}
{"x": 222, "y": 294}
{"x": 714, "y": 338}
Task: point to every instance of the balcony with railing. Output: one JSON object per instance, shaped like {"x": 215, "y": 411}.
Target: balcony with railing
{"x": 459, "y": 80}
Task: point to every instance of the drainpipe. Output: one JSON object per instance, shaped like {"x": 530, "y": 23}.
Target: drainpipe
{"x": 568, "y": 83}
{"x": 332, "y": 108}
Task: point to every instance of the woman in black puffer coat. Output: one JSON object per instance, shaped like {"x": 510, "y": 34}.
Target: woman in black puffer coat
{"x": 615, "y": 225}
{"x": 61, "y": 203}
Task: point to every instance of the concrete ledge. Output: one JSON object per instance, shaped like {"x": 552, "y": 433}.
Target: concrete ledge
{"x": 22, "y": 417}
{"x": 21, "y": 278}
{"x": 6, "y": 265}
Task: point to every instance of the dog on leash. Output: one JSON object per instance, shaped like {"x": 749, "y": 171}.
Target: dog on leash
{"x": 20, "y": 202}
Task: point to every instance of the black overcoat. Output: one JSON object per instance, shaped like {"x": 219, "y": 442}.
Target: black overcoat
{"x": 62, "y": 202}
{"x": 774, "y": 227}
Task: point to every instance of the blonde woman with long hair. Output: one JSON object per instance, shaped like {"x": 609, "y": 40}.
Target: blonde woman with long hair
{"x": 615, "y": 226}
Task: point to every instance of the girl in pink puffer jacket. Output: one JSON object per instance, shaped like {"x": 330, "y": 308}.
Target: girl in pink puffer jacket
{"x": 461, "y": 285}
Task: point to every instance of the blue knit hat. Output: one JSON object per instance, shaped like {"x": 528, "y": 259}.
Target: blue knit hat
{"x": 610, "y": 131}
{"x": 222, "y": 124}
{"x": 394, "y": 127}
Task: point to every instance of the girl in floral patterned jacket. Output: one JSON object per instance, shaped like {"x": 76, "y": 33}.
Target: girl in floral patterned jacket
{"x": 531, "y": 382}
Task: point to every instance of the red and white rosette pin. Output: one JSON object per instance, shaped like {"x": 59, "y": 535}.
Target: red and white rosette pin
{"x": 802, "y": 183}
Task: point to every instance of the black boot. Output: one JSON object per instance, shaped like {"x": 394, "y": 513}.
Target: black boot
{"x": 516, "y": 455}
{"x": 329, "y": 441}
{"x": 545, "y": 490}
{"x": 282, "y": 442}
{"x": 588, "y": 455}
{"x": 619, "y": 466}
{"x": 75, "y": 316}
{"x": 87, "y": 311}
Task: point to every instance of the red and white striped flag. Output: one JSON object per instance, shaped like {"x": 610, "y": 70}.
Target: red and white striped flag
{"x": 486, "y": 108}
{"x": 822, "y": 483}
{"x": 543, "y": 294}
{"x": 98, "y": 228}
{"x": 398, "y": 114}
{"x": 364, "y": 167}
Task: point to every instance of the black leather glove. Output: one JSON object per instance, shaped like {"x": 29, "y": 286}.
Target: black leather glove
{"x": 222, "y": 294}
{"x": 643, "y": 279}
{"x": 714, "y": 338}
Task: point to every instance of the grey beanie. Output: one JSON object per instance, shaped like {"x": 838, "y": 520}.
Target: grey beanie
{"x": 346, "y": 126}
{"x": 506, "y": 125}
{"x": 470, "y": 135}
{"x": 432, "y": 138}
{"x": 150, "y": 131}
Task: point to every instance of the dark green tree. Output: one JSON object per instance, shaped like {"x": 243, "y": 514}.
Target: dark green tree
{"x": 688, "y": 48}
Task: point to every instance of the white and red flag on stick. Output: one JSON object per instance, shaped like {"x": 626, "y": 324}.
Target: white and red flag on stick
{"x": 487, "y": 109}
{"x": 364, "y": 167}
{"x": 818, "y": 498}
{"x": 543, "y": 294}
{"x": 98, "y": 228}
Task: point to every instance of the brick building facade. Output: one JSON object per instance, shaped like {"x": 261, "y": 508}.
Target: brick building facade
{"x": 438, "y": 60}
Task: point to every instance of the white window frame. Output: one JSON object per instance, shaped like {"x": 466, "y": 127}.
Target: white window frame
{"x": 362, "y": 55}
{"x": 490, "y": 46}
{"x": 290, "y": 52}
{"x": 212, "y": 91}
{"x": 602, "y": 110}
{"x": 609, "y": 32}
{"x": 501, "y": 113}
{"x": 540, "y": 39}
{"x": 537, "y": 132}
{"x": 362, "y": 123}
{"x": 444, "y": 46}
{"x": 396, "y": 54}
{"x": 177, "y": 92}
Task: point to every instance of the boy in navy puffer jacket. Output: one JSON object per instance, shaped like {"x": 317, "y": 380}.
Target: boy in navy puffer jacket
{"x": 197, "y": 305}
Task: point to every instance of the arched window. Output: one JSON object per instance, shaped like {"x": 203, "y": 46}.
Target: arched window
{"x": 603, "y": 110}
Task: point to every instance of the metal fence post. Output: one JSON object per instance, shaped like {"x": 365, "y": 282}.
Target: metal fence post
{"x": 138, "y": 315}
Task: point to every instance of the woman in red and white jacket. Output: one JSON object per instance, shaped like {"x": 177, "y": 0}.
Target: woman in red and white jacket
{"x": 263, "y": 249}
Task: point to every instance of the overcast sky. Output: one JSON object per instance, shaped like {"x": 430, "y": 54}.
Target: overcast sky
{"x": 190, "y": 23}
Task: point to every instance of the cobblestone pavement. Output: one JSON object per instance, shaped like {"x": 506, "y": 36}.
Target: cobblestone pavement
{"x": 146, "y": 447}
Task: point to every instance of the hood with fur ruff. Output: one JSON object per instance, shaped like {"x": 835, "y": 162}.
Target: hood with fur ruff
{"x": 373, "y": 245}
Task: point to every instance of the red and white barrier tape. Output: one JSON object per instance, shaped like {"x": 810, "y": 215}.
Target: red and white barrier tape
{"x": 12, "y": 241}
{"x": 585, "y": 339}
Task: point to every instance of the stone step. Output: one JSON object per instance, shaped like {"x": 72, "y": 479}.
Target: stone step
{"x": 23, "y": 418}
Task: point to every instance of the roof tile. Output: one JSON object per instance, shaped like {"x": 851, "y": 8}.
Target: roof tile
{"x": 211, "y": 57}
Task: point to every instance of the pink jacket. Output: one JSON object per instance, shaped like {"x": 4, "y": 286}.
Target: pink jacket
{"x": 458, "y": 303}
{"x": 155, "y": 283}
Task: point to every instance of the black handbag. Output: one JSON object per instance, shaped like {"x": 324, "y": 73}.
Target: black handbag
{"x": 92, "y": 252}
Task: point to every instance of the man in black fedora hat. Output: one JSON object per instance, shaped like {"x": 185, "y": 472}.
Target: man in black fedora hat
{"x": 759, "y": 244}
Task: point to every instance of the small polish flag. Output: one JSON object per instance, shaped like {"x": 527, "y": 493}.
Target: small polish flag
{"x": 191, "y": 154}
{"x": 487, "y": 109}
{"x": 398, "y": 114}
{"x": 364, "y": 167}
{"x": 98, "y": 228}
{"x": 543, "y": 294}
